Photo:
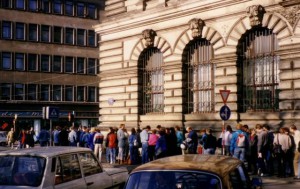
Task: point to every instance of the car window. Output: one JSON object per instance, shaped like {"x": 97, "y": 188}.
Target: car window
{"x": 89, "y": 164}
{"x": 239, "y": 179}
{"x": 173, "y": 180}
{"x": 21, "y": 170}
{"x": 67, "y": 169}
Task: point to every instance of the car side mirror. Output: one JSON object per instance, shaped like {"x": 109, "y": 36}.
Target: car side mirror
{"x": 257, "y": 183}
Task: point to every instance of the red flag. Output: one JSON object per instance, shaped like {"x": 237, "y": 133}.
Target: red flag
{"x": 4, "y": 126}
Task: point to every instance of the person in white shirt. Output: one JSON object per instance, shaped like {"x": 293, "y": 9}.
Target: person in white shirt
{"x": 296, "y": 163}
{"x": 227, "y": 139}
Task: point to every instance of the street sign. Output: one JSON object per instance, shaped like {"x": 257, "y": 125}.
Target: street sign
{"x": 225, "y": 112}
{"x": 224, "y": 94}
{"x": 51, "y": 112}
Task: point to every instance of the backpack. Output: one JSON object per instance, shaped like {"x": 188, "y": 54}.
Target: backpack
{"x": 241, "y": 140}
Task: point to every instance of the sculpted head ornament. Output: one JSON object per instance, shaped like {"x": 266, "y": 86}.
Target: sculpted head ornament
{"x": 256, "y": 14}
{"x": 196, "y": 26}
{"x": 148, "y": 36}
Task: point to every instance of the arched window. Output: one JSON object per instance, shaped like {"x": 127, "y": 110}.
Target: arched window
{"x": 200, "y": 77}
{"x": 151, "y": 62}
{"x": 260, "y": 71}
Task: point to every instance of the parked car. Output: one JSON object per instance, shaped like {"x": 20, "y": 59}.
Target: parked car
{"x": 57, "y": 167}
{"x": 3, "y": 138}
{"x": 192, "y": 172}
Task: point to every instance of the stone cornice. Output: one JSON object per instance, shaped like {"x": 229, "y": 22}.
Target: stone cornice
{"x": 288, "y": 3}
{"x": 143, "y": 19}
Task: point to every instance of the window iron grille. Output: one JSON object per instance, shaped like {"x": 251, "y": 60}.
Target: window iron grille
{"x": 260, "y": 72}
{"x": 200, "y": 76}
{"x": 153, "y": 81}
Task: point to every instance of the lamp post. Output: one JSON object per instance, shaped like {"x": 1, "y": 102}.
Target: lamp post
{"x": 15, "y": 121}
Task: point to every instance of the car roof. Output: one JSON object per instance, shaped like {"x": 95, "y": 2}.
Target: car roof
{"x": 218, "y": 164}
{"x": 45, "y": 151}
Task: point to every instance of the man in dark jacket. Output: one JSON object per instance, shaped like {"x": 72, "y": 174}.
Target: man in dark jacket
{"x": 192, "y": 141}
{"x": 209, "y": 143}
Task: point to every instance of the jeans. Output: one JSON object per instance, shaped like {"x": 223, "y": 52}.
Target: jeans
{"x": 145, "y": 153}
{"x": 107, "y": 155}
{"x": 133, "y": 151}
{"x": 239, "y": 153}
{"x": 98, "y": 151}
{"x": 112, "y": 152}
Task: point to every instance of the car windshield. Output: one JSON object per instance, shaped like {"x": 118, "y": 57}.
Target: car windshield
{"x": 173, "y": 180}
{"x": 21, "y": 170}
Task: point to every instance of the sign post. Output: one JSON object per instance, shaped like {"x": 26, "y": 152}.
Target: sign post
{"x": 50, "y": 113}
{"x": 224, "y": 114}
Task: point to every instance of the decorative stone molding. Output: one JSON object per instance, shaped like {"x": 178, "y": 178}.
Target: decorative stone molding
{"x": 148, "y": 36}
{"x": 256, "y": 15}
{"x": 292, "y": 14}
{"x": 196, "y": 26}
{"x": 287, "y": 3}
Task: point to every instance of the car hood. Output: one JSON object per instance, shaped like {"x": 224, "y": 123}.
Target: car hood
{"x": 112, "y": 171}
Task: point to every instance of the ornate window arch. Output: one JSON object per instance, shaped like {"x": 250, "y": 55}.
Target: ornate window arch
{"x": 152, "y": 76}
{"x": 260, "y": 70}
{"x": 199, "y": 73}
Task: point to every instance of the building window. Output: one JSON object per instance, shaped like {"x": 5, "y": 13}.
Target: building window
{"x": 6, "y": 30}
{"x": 20, "y": 31}
{"x": 69, "y": 64}
{"x": 80, "y": 10}
{"x": 69, "y": 36}
{"x": 45, "y": 33}
{"x": 92, "y": 66}
{"x": 19, "y": 92}
{"x": 33, "y": 5}
{"x": 91, "y": 38}
{"x": 69, "y": 8}
{"x": 57, "y": 92}
{"x": 33, "y": 32}
{"x": 69, "y": 93}
{"x": 91, "y": 94}
{"x": 200, "y": 77}
{"x": 80, "y": 93}
{"x": 153, "y": 81}
{"x": 260, "y": 66}
{"x": 20, "y": 4}
{"x": 6, "y": 61}
{"x": 45, "y": 4}
{"x": 32, "y": 62}
{"x": 57, "y": 34}
{"x": 45, "y": 63}
{"x": 19, "y": 62}
{"x": 81, "y": 37}
{"x": 5, "y": 91}
{"x": 80, "y": 65}
{"x": 32, "y": 92}
{"x": 92, "y": 11}
{"x": 57, "y": 62}
{"x": 45, "y": 89}
{"x": 6, "y": 4}
{"x": 57, "y": 6}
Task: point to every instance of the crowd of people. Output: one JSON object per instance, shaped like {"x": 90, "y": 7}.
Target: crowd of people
{"x": 258, "y": 147}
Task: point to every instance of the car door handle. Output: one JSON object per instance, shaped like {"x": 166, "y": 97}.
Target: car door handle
{"x": 89, "y": 183}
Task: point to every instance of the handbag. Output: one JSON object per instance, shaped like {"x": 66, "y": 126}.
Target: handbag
{"x": 277, "y": 147}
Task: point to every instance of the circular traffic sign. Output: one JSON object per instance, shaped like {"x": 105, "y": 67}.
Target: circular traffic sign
{"x": 225, "y": 112}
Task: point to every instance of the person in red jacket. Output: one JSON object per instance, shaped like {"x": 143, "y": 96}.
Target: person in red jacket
{"x": 112, "y": 145}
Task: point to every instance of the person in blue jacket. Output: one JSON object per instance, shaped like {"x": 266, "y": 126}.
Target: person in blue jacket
{"x": 239, "y": 143}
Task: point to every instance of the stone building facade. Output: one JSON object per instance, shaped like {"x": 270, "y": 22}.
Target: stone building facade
{"x": 165, "y": 62}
